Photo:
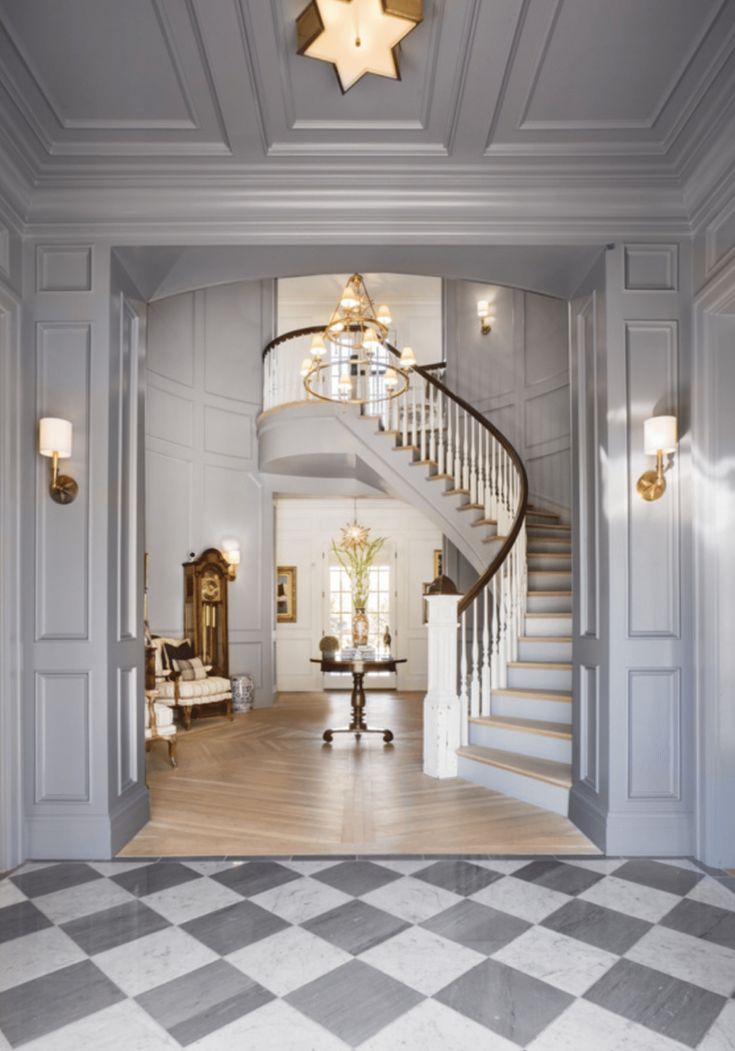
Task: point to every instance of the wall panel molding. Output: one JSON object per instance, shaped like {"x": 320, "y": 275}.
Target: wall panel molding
{"x": 589, "y": 726}
{"x": 654, "y": 714}
{"x": 654, "y": 540}
{"x": 62, "y": 738}
{"x": 127, "y": 728}
{"x": 651, "y": 267}
{"x": 63, "y": 268}
{"x": 588, "y": 466}
{"x": 63, "y": 552}
{"x": 127, "y": 470}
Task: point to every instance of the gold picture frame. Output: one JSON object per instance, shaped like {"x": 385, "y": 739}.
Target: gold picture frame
{"x": 438, "y": 562}
{"x": 286, "y": 608}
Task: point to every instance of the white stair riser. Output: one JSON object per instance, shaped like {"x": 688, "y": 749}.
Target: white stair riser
{"x": 539, "y": 603}
{"x": 522, "y": 743}
{"x": 540, "y": 679}
{"x": 549, "y": 561}
{"x": 518, "y": 786}
{"x": 561, "y": 625}
{"x": 549, "y": 581}
{"x": 529, "y": 708}
{"x": 533, "y": 520}
{"x": 540, "y": 544}
{"x": 544, "y": 651}
{"x": 538, "y": 532}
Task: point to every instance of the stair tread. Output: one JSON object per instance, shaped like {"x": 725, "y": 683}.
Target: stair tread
{"x": 557, "y": 594}
{"x": 405, "y": 448}
{"x": 550, "y": 665}
{"x": 440, "y": 478}
{"x": 545, "y": 638}
{"x": 563, "y": 545}
{"x": 538, "y": 695}
{"x": 484, "y": 522}
{"x": 537, "y": 512}
{"x": 456, "y": 492}
{"x": 557, "y": 527}
{"x": 548, "y": 770}
{"x": 492, "y": 539}
{"x": 470, "y": 507}
{"x": 548, "y": 554}
{"x": 531, "y": 726}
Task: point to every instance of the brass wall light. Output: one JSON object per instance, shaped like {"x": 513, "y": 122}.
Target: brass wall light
{"x": 659, "y": 437}
{"x": 486, "y": 314}
{"x": 231, "y": 555}
{"x": 54, "y": 440}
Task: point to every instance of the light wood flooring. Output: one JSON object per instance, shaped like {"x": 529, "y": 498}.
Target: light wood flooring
{"x": 266, "y": 784}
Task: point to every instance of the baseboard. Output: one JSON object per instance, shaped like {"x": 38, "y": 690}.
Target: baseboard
{"x": 74, "y": 836}
{"x": 129, "y": 818}
{"x": 651, "y": 834}
{"x": 588, "y": 817}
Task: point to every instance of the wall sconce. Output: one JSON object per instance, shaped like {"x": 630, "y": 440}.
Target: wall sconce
{"x": 231, "y": 555}
{"x": 659, "y": 437}
{"x": 54, "y": 440}
{"x": 486, "y": 315}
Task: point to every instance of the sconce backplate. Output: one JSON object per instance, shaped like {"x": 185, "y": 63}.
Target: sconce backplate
{"x": 64, "y": 489}
{"x": 651, "y": 485}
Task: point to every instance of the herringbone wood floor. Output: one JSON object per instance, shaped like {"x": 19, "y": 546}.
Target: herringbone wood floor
{"x": 266, "y": 784}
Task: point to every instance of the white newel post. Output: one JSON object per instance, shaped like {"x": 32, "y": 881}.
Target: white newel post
{"x": 441, "y": 705}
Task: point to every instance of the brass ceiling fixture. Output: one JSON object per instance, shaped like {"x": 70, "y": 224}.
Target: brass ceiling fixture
{"x": 357, "y": 36}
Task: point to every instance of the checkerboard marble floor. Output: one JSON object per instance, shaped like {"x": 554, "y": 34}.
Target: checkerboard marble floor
{"x": 452, "y": 954}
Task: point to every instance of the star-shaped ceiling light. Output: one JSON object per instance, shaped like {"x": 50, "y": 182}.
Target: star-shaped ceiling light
{"x": 357, "y": 36}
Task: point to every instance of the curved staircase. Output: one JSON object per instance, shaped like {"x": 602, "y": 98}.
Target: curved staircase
{"x": 431, "y": 448}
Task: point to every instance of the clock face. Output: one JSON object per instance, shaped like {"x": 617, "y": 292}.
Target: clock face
{"x": 210, "y": 588}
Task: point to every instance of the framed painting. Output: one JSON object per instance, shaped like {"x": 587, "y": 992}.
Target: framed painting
{"x": 438, "y": 562}
{"x": 286, "y": 594}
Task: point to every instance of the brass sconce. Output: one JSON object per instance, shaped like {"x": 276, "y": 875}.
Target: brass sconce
{"x": 231, "y": 555}
{"x": 659, "y": 437}
{"x": 486, "y": 315}
{"x": 54, "y": 440}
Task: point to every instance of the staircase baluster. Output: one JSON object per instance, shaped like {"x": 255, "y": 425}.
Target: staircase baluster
{"x": 473, "y": 462}
{"x": 432, "y": 422}
{"x": 485, "y": 673}
{"x": 463, "y": 700}
{"x": 475, "y": 674}
{"x": 422, "y": 407}
{"x": 465, "y": 457}
{"x": 439, "y": 418}
{"x": 494, "y": 638}
{"x": 457, "y": 451}
{"x": 404, "y": 407}
{"x": 449, "y": 451}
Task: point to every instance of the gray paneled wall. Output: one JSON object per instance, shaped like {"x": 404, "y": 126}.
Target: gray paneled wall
{"x": 633, "y": 633}
{"x": 203, "y": 381}
{"x": 518, "y": 375}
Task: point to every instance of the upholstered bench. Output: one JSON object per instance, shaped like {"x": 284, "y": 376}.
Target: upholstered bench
{"x": 186, "y": 694}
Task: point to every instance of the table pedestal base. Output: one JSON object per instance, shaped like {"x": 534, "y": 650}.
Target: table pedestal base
{"x": 357, "y": 726}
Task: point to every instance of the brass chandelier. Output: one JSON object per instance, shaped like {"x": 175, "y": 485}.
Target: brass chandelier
{"x": 350, "y": 360}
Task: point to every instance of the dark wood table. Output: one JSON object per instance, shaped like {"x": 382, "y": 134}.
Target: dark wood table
{"x": 358, "y": 667}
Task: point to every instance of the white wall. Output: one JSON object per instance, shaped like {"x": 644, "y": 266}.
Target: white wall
{"x": 305, "y": 529}
{"x": 518, "y": 376}
{"x": 203, "y": 395}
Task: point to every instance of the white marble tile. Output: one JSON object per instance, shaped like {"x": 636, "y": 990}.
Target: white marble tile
{"x": 568, "y": 964}
{"x": 288, "y": 960}
{"x": 528, "y": 901}
{"x": 423, "y": 960}
{"x": 406, "y": 866}
{"x": 10, "y": 894}
{"x": 587, "y": 1027}
{"x": 33, "y": 955}
{"x": 604, "y": 865}
{"x": 301, "y": 900}
{"x": 189, "y": 900}
{"x": 645, "y": 903}
{"x": 710, "y": 892}
{"x": 82, "y": 900}
{"x": 32, "y": 866}
{"x": 146, "y": 962}
{"x": 506, "y": 866}
{"x": 275, "y": 1027}
{"x": 430, "y": 1026}
{"x": 721, "y": 1036}
{"x": 116, "y": 868}
{"x": 210, "y": 868}
{"x": 4, "y": 1045}
{"x": 308, "y": 868}
{"x": 122, "y": 1026}
{"x": 412, "y": 899}
{"x": 691, "y": 959}
{"x": 680, "y": 863}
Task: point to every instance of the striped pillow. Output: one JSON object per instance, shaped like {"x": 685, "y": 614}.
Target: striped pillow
{"x": 190, "y": 669}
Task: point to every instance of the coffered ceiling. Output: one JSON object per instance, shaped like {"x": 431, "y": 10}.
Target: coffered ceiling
{"x": 203, "y": 88}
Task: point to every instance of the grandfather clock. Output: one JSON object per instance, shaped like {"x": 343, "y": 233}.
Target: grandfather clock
{"x": 205, "y": 609}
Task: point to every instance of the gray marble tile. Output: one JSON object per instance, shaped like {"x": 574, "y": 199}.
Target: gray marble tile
{"x": 255, "y": 876}
{"x": 354, "y": 1002}
{"x": 476, "y": 926}
{"x": 148, "y": 879}
{"x": 510, "y": 1003}
{"x": 670, "y": 878}
{"x": 458, "y": 876}
{"x": 112, "y": 927}
{"x": 703, "y": 921}
{"x": 51, "y": 878}
{"x": 275, "y": 1027}
{"x": 557, "y": 875}
{"x": 44, "y": 1004}
{"x": 356, "y": 877}
{"x": 596, "y": 925}
{"x": 34, "y": 955}
{"x": 669, "y": 1006}
{"x": 19, "y": 919}
{"x": 234, "y": 926}
{"x": 203, "y": 1001}
{"x": 691, "y": 959}
{"x": 355, "y": 926}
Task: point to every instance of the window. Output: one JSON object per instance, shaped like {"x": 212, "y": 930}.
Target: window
{"x": 340, "y": 605}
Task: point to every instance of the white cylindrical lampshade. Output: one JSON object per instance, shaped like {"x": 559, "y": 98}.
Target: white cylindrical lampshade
{"x": 659, "y": 432}
{"x": 384, "y": 315}
{"x": 483, "y": 308}
{"x": 317, "y": 345}
{"x": 408, "y": 358}
{"x": 54, "y": 436}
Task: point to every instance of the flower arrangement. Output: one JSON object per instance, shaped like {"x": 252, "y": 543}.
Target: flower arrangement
{"x": 356, "y": 553}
